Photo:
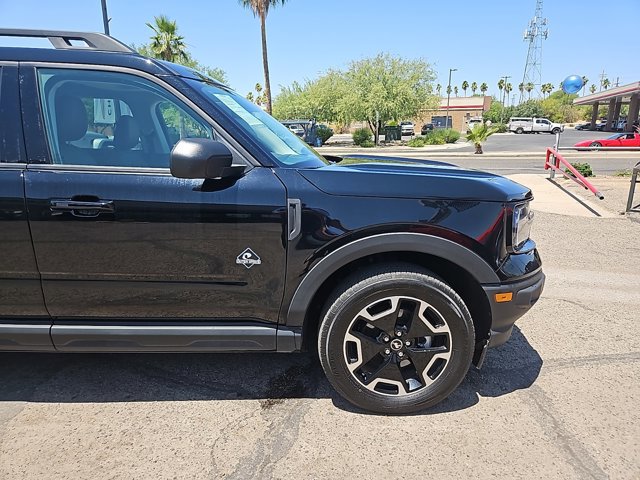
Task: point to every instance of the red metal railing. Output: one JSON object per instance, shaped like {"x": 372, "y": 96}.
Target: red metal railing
{"x": 554, "y": 160}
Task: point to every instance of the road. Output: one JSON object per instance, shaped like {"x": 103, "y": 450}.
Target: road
{"x": 559, "y": 400}
{"x": 503, "y": 153}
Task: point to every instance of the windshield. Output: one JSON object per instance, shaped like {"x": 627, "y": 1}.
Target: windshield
{"x": 613, "y": 137}
{"x": 287, "y": 148}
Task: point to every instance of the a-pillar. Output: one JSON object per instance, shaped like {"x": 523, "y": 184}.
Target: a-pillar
{"x": 610, "y": 117}
{"x": 594, "y": 116}
{"x": 634, "y": 106}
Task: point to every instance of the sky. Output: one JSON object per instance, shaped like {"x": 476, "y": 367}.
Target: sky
{"x": 481, "y": 39}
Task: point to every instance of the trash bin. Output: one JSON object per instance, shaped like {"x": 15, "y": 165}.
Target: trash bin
{"x": 392, "y": 133}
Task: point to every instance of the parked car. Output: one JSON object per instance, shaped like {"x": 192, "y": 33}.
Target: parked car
{"x": 473, "y": 122}
{"x": 236, "y": 236}
{"x": 583, "y": 126}
{"x": 616, "y": 140}
{"x": 426, "y": 128}
{"x": 297, "y": 129}
{"x": 534, "y": 125}
{"x": 408, "y": 128}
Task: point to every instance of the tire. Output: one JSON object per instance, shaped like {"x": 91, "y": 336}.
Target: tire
{"x": 555, "y": 131}
{"x": 595, "y": 144}
{"x": 519, "y": 130}
{"x": 376, "y": 369}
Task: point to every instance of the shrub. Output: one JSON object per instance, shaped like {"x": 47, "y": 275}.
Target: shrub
{"x": 450, "y": 135}
{"x": 361, "y": 136}
{"x": 368, "y": 144}
{"x": 324, "y": 132}
{"x": 583, "y": 168}
{"x": 418, "y": 141}
{"x": 501, "y": 127}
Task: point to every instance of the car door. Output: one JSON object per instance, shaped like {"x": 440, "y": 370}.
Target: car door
{"x": 117, "y": 238}
{"x": 630, "y": 140}
{"x": 24, "y": 321}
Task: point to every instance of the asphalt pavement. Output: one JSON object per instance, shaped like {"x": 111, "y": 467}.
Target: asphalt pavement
{"x": 559, "y": 400}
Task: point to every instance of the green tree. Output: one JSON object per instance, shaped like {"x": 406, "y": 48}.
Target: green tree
{"x": 593, "y": 88}
{"x": 438, "y": 88}
{"x": 483, "y": 88}
{"x": 260, "y": 8}
{"x": 529, "y": 88}
{"x": 165, "y": 42}
{"x": 605, "y": 83}
{"x": 558, "y": 107}
{"x": 474, "y": 87}
{"x": 388, "y": 88}
{"x": 521, "y": 88}
{"x": 455, "y": 90}
{"x": 546, "y": 88}
{"x": 449, "y": 90}
{"x": 479, "y": 134}
{"x": 465, "y": 86}
{"x": 585, "y": 80}
{"x": 501, "y": 86}
{"x": 507, "y": 89}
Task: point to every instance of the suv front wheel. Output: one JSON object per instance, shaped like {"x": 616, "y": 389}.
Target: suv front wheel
{"x": 395, "y": 339}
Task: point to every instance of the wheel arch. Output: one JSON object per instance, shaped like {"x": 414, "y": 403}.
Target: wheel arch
{"x": 464, "y": 270}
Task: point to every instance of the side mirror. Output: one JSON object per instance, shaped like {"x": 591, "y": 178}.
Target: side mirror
{"x": 202, "y": 158}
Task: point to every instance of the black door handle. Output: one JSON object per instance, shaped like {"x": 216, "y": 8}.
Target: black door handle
{"x": 81, "y": 208}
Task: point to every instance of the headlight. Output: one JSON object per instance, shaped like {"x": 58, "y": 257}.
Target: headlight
{"x": 522, "y": 220}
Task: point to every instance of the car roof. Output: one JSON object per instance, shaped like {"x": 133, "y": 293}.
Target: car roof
{"x": 132, "y": 60}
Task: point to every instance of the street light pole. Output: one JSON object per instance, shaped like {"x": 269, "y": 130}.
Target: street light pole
{"x": 449, "y": 95}
{"x": 105, "y": 17}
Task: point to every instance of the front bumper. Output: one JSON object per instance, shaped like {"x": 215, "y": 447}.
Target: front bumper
{"x": 504, "y": 314}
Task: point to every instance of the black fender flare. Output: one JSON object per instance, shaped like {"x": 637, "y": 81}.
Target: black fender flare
{"x": 383, "y": 243}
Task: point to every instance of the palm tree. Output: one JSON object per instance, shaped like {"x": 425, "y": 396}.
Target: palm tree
{"x": 474, "y": 87}
{"x": 546, "y": 88}
{"x": 448, "y": 89}
{"x": 484, "y": 88}
{"x": 529, "y": 88}
{"x": 593, "y": 88}
{"x": 438, "y": 88}
{"x": 585, "y": 80}
{"x": 521, "y": 88}
{"x": 605, "y": 83}
{"x": 166, "y": 43}
{"x": 465, "y": 85}
{"x": 479, "y": 134}
{"x": 507, "y": 89}
{"x": 260, "y": 8}
{"x": 455, "y": 90}
{"x": 501, "y": 86}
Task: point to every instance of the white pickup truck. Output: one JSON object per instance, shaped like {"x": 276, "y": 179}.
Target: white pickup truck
{"x": 534, "y": 125}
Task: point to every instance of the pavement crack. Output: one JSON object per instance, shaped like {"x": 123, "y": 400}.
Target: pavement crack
{"x": 576, "y": 453}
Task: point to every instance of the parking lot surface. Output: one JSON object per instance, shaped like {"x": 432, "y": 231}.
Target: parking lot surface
{"x": 559, "y": 400}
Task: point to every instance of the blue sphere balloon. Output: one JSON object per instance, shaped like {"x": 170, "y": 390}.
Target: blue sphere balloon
{"x": 572, "y": 84}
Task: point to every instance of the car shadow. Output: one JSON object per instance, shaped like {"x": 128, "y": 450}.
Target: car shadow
{"x": 269, "y": 378}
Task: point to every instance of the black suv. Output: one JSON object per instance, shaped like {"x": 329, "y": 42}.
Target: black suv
{"x": 145, "y": 207}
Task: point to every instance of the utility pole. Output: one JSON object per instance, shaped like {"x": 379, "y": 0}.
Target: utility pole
{"x": 504, "y": 94}
{"x": 602, "y": 77}
{"x": 105, "y": 17}
{"x": 449, "y": 96}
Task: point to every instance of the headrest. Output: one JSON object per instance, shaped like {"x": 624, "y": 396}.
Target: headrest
{"x": 127, "y": 133}
{"x": 71, "y": 117}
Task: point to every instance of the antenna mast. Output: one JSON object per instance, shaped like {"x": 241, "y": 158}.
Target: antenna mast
{"x": 536, "y": 32}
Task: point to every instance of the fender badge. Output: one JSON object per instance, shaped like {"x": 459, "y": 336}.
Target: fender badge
{"x": 248, "y": 258}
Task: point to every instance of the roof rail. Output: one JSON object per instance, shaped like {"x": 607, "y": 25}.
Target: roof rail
{"x": 63, "y": 40}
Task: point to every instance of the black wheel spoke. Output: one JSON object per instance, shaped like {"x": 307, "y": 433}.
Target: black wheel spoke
{"x": 421, "y": 357}
{"x": 387, "y": 323}
{"x": 387, "y": 369}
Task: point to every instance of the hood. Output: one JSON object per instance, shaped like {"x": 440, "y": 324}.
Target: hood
{"x": 409, "y": 178}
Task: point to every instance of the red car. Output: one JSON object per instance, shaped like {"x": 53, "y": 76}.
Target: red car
{"x": 616, "y": 140}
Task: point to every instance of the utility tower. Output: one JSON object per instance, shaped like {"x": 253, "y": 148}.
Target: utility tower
{"x": 535, "y": 33}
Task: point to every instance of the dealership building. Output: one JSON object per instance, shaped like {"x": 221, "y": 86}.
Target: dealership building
{"x": 460, "y": 110}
